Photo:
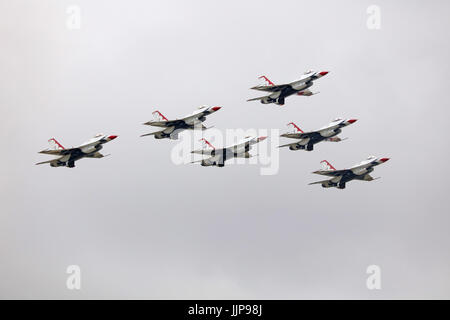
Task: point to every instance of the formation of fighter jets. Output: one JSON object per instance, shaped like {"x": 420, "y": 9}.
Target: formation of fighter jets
{"x": 218, "y": 156}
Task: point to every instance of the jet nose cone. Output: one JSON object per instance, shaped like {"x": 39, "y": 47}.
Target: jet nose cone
{"x": 262, "y": 138}
{"x": 323, "y": 73}
{"x": 112, "y": 137}
{"x": 216, "y": 108}
{"x": 384, "y": 159}
{"x": 352, "y": 120}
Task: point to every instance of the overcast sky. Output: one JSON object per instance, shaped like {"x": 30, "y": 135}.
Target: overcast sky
{"x": 140, "y": 226}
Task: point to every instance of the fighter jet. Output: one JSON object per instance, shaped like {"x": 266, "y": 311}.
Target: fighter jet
{"x": 281, "y": 91}
{"x": 309, "y": 139}
{"x": 89, "y": 149}
{"x": 361, "y": 171}
{"x": 174, "y": 127}
{"x": 217, "y": 157}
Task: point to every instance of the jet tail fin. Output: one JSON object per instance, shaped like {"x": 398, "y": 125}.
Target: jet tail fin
{"x": 326, "y": 165}
{"x": 207, "y": 147}
{"x": 266, "y": 80}
{"x": 206, "y": 144}
{"x": 294, "y": 128}
{"x": 55, "y": 145}
{"x": 158, "y": 116}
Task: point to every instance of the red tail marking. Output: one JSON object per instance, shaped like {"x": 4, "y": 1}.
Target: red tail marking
{"x": 208, "y": 143}
{"x": 267, "y": 80}
{"x": 59, "y": 144}
{"x": 329, "y": 164}
{"x": 162, "y": 116}
{"x": 296, "y": 127}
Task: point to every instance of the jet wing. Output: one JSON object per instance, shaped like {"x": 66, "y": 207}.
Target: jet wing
{"x": 59, "y": 152}
{"x": 208, "y": 152}
{"x": 300, "y": 135}
{"x": 238, "y": 146}
{"x": 332, "y": 173}
{"x": 193, "y": 119}
{"x": 164, "y": 124}
{"x": 271, "y": 88}
{"x": 329, "y": 128}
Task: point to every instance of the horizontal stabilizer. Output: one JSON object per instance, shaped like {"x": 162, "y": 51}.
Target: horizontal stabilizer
{"x": 317, "y": 182}
{"x": 259, "y": 98}
{"x": 288, "y": 145}
{"x": 150, "y": 134}
{"x": 48, "y": 161}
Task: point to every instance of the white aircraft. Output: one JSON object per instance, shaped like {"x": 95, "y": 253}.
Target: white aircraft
{"x": 89, "y": 149}
{"x": 174, "y": 127}
{"x": 281, "y": 91}
{"x": 309, "y": 139}
{"x": 217, "y": 157}
{"x": 361, "y": 171}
